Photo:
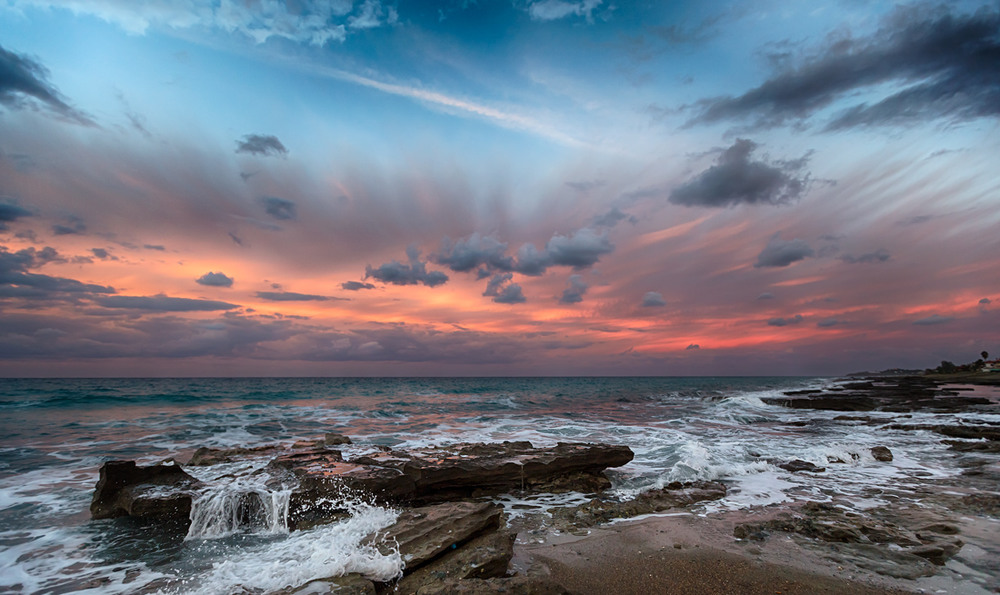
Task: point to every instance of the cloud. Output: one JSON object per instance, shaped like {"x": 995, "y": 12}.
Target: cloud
{"x": 766, "y": 296}
{"x": 785, "y": 321}
{"x": 550, "y": 10}
{"x": 416, "y": 273}
{"x": 880, "y": 255}
{"x": 356, "y": 285}
{"x": 736, "y": 179}
{"x": 162, "y": 303}
{"x": 279, "y": 208}
{"x": 692, "y": 347}
{"x": 580, "y": 250}
{"x": 613, "y": 218}
{"x": 103, "y": 254}
{"x": 261, "y": 144}
{"x": 10, "y": 213}
{"x": 653, "y": 299}
{"x": 933, "y": 319}
{"x": 932, "y": 63}
{"x": 215, "y": 280}
{"x": 985, "y": 301}
{"x": 16, "y": 280}
{"x": 828, "y": 322}
{"x": 781, "y": 253}
{"x": 574, "y": 293}
{"x": 473, "y": 252}
{"x": 372, "y": 14}
{"x": 503, "y": 291}
{"x": 586, "y": 185}
{"x": 74, "y": 226}
{"x": 23, "y": 83}
{"x": 154, "y": 247}
{"x": 291, "y": 296}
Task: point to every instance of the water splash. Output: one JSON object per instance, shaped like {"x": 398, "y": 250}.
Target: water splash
{"x": 239, "y": 508}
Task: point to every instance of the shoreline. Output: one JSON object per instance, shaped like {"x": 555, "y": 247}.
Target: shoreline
{"x": 687, "y": 553}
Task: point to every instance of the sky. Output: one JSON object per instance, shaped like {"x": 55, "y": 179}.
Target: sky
{"x": 497, "y": 187}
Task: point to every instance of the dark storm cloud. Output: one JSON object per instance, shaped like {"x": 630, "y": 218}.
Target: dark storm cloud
{"x": 212, "y": 279}
{"x": 16, "y": 280}
{"x": 162, "y": 303}
{"x": 473, "y": 252}
{"x": 10, "y": 213}
{"x": 23, "y": 82}
{"x": 574, "y": 293}
{"x": 503, "y": 291}
{"x": 781, "y": 253}
{"x": 291, "y": 296}
{"x": 356, "y": 285}
{"x": 279, "y": 208}
{"x": 736, "y": 178}
{"x": 785, "y": 321}
{"x": 261, "y": 144}
{"x": 653, "y": 299}
{"x": 415, "y": 273}
{"x": 939, "y": 65}
{"x": 933, "y": 319}
{"x": 880, "y": 255}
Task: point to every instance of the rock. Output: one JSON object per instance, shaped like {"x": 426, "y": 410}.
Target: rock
{"x": 673, "y": 495}
{"x": 425, "y": 533}
{"x": 797, "y": 465}
{"x": 486, "y": 556}
{"x": 511, "y": 585}
{"x": 937, "y": 552}
{"x": 351, "y": 584}
{"x": 881, "y": 453}
{"x": 333, "y": 439}
{"x": 213, "y": 456}
{"x": 899, "y": 394}
{"x": 125, "y": 489}
{"x": 465, "y": 470}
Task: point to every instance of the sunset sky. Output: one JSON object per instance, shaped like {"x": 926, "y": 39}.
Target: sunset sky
{"x": 510, "y": 187}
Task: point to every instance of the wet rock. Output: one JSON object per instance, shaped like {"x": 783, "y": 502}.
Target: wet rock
{"x": 937, "y": 552}
{"x": 333, "y": 438}
{"x": 205, "y": 456}
{"x": 797, "y": 465}
{"x": 425, "y": 533}
{"x": 883, "y": 394}
{"x": 983, "y": 503}
{"x": 469, "y": 470}
{"x": 125, "y": 489}
{"x": 351, "y": 584}
{"x": 511, "y": 585}
{"x": 486, "y": 556}
{"x": 673, "y": 495}
{"x": 826, "y": 522}
{"x": 881, "y": 453}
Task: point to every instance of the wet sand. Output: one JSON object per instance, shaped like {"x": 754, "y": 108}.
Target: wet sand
{"x": 688, "y": 554}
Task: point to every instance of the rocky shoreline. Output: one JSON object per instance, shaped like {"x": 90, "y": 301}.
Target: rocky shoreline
{"x": 452, "y": 536}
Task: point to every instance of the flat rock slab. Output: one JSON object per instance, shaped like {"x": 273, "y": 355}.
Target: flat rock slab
{"x": 486, "y": 556}
{"x": 425, "y": 533}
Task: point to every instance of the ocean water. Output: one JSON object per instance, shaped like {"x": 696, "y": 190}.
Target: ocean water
{"x": 55, "y": 434}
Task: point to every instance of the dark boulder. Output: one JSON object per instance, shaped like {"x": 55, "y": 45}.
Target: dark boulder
{"x": 881, "y": 453}
{"x": 126, "y": 489}
{"x": 796, "y": 465}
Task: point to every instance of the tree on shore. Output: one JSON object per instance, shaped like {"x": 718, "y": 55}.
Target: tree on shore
{"x": 985, "y": 355}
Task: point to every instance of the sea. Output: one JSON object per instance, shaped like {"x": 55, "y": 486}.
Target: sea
{"x": 56, "y": 433}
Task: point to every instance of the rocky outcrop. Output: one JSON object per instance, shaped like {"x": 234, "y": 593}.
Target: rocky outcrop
{"x": 126, "y": 489}
{"x": 422, "y": 534}
{"x": 829, "y": 523}
{"x": 908, "y": 393}
{"x": 672, "y": 495}
{"x": 796, "y": 465}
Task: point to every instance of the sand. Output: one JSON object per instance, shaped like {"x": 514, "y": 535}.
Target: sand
{"x": 688, "y": 554}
